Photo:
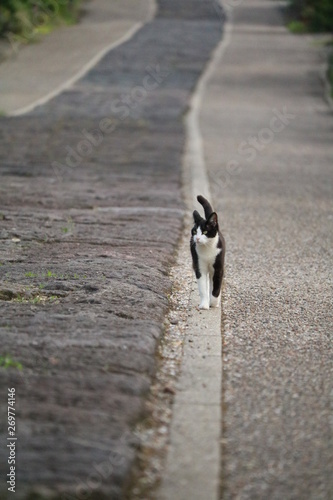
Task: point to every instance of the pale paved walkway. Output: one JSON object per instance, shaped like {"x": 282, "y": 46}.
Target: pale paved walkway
{"x": 267, "y": 140}
{"x": 38, "y": 71}
{"x": 268, "y": 147}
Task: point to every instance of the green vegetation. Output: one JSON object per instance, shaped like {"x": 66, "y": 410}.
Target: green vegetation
{"x": 70, "y": 227}
{"x": 311, "y": 16}
{"x": 30, "y": 275}
{"x": 297, "y": 27}
{"x": 27, "y": 18}
{"x": 36, "y": 299}
{"x": 50, "y": 274}
{"x": 7, "y": 362}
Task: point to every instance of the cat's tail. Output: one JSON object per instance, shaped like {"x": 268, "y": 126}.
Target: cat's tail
{"x": 206, "y": 205}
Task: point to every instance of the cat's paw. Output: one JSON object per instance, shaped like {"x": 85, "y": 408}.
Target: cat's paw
{"x": 203, "y": 305}
{"x": 215, "y": 302}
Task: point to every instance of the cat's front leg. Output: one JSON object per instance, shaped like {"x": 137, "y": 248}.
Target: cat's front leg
{"x": 203, "y": 284}
{"x": 215, "y": 288}
{"x": 215, "y": 301}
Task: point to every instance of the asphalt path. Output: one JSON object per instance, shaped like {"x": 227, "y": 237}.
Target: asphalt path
{"x": 267, "y": 132}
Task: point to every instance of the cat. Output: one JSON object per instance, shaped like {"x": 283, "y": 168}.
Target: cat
{"x": 208, "y": 251}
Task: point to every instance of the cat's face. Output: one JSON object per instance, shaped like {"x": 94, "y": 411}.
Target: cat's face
{"x": 204, "y": 231}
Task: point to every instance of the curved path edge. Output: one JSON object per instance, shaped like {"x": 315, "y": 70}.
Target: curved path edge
{"x": 36, "y": 73}
{"x": 81, "y": 73}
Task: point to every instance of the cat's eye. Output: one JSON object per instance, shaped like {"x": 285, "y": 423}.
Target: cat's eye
{"x": 205, "y": 232}
{"x": 194, "y": 231}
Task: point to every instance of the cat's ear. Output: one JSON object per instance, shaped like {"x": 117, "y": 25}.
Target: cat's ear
{"x": 212, "y": 220}
{"x": 197, "y": 217}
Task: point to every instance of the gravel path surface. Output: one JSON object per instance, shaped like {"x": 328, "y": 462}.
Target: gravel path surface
{"x": 268, "y": 147}
{"x": 91, "y": 213}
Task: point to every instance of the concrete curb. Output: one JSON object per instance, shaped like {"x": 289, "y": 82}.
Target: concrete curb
{"x": 193, "y": 463}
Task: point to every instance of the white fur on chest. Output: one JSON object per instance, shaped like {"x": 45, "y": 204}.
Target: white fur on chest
{"x": 207, "y": 252}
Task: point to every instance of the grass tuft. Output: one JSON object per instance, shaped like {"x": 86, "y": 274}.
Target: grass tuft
{"x": 6, "y": 361}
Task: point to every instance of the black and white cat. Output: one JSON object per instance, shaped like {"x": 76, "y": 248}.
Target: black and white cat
{"x": 207, "y": 249}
